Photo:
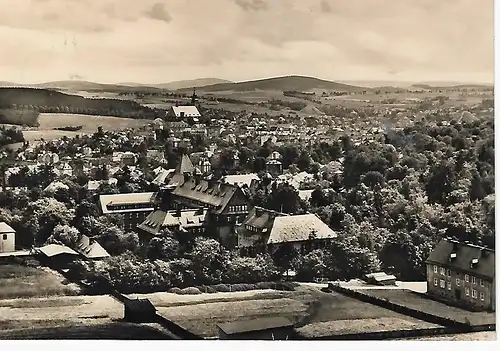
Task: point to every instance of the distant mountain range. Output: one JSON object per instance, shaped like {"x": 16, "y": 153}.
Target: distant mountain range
{"x": 285, "y": 83}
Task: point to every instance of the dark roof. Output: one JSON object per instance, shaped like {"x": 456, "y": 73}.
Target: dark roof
{"x": 258, "y": 324}
{"x": 465, "y": 253}
{"x": 261, "y": 218}
{"x": 90, "y": 248}
{"x": 140, "y": 305}
{"x": 160, "y": 219}
{"x": 211, "y": 195}
{"x": 185, "y": 166}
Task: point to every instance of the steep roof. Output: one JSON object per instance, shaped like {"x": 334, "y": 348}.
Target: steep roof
{"x": 299, "y": 228}
{"x": 261, "y": 218}
{"x": 91, "y": 248}
{"x": 5, "y": 228}
{"x": 185, "y": 166}
{"x": 189, "y": 111}
{"x": 126, "y": 199}
{"x": 165, "y": 219}
{"x": 464, "y": 256}
{"x": 162, "y": 176}
{"x": 217, "y": 195}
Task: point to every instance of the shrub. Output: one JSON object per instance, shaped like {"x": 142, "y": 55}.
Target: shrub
{"x": 265, "y": 285}
{"x": 190, "y": 291}
{"x": 206, "y": 289}
{"x": 174, "y": 290}
{"x": 243, "y": 287}
{"x": 285, "y": 286}
{"x": 221, "y": 288}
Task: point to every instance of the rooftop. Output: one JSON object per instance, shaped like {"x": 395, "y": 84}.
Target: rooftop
{"x": 257, "y": 324}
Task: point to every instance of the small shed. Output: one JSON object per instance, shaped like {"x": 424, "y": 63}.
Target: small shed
{"x": 271, "y": 328}
{"x": 7, "y": 238}
{"x": 380, "y": 278}
{"x": 55, "y": 255}
{"x": 139, "y": 311}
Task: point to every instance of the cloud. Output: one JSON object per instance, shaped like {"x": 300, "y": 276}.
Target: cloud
{"x": 252, "y": 5}
{"x": 159, "y": 12}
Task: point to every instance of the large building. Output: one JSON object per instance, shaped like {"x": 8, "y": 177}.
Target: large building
{"x": 182, "y": 112}
{"x": 133, "y": 207}
{"x": 271, "y": 229}
{"x": 463, "y": 274}
{"x": 192, "y": 221}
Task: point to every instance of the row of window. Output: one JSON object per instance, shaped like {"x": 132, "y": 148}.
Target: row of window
{"x": 467, "y": 278}
{"x": 240, "y": 208}
{"x": 447, "y": 285}
{"x": 128, "y": 206}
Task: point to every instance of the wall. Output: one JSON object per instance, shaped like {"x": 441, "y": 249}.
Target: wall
{"x": 7, "y": 242}
{"x": 457, "y": 292}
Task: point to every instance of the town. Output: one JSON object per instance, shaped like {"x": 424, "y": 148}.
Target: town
{"x": 319, "y": 217}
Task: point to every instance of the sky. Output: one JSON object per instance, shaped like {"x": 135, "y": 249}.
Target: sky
{"x": 158, "y": 41}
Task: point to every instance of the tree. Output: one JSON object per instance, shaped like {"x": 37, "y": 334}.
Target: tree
{"x": 116, "y": 242}
{"x": 210, "y": 261}
{"x": 65, "y": 235}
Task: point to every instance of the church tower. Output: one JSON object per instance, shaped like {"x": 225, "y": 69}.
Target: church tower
{"x": 193, "y": 97}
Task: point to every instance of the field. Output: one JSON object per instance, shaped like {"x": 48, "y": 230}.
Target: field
{"x": 306, "y": 305}
{"x": 18, "y": 282}
{"x": 49, "y": 121}
{"x": 421, "y": 303}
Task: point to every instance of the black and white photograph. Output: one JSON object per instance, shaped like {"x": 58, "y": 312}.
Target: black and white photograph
{"x": 280, "y": 170}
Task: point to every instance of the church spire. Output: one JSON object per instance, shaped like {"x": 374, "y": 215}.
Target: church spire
{"x": 193, "y": 97}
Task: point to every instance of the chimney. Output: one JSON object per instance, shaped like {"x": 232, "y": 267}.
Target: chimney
{"x": 258, "y": 212}
{"x": 178, "y": 212}
{"x": 187, "y": 176}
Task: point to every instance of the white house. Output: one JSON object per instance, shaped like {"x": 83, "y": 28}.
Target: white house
{"x": 183, "y": 111}
{"x": 7, "y": 238}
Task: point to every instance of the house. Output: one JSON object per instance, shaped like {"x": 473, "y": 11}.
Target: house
{"x": 7, "y": 238}
{"x": 268, "y": 328}
{"x": 380, "y": 278}
{"x": 176, "y": 127}
{"x": 128, "y": 159}
{"x": 134, "y": 207}
{"x": 156, "y": 155}
{"x": 56, "y": 255}
{"x": 139, "y": 311}
{"x": 273, "y": 229}
{"x": 181, "y": 112}
{"x": 191, "y": 220}
{"x": 90, "y": 249}
{"x": 463, "y": 274}
{"x": 226, "y": 204}
{"x": 55, "y": 186}
{"x": 163, "y": 177}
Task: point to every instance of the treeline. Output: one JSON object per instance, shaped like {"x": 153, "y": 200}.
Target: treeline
{"x": 49, "y": 101}
{"x": 10, "y": 136}
{"x": 20, "y": 116}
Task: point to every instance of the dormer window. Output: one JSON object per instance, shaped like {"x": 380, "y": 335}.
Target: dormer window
{"x": 453, "y": 255}
{"x": 474, "y": 262}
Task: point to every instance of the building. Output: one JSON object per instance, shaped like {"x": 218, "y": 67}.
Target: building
{"x": 241, "y": 180}
{"x": 263, "y": 227}
{"x": 274, "y": 167}
{"x": 134, "y": 207}
{"x": 270, "y": 328}
{"x": 91, "y": 249}
{"x": 192, "y": 221}
{"x": 181, "y": 112}
{"x": 139, "y": 311}
{"x": 226, "y": 204}
{"x": 463, "y": 274}
{"x": 183, "y": 169}
{"x": 7, "y": 238}
{"x": 55, "y": 255}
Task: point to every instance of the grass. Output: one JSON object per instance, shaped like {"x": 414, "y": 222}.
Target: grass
{"x": 45, "y": 303}
{"x": 108, "y": 331}
{"x": 421, "y": 303}
{"x": 304, "y": 306}
{"x": 21, "y": 282}
{"x": 353, "y": 326}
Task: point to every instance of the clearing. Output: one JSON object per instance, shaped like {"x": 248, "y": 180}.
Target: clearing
{"x": 19, "y": 281}
{"x": 49, "y": 121}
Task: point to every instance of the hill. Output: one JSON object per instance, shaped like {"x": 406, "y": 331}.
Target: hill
{"x": 194, "y": 83}
{"x": 286, "y": 83}
{"x": 79, "y": 85}
{"x": 50, "y": 101}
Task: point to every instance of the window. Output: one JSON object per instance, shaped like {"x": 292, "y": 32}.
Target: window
{"x": 448, "y": 285}
{"x": 474, "y": 280}
{"x": 435, "y": 282}
{"x": 435, "y": 269}
{"x": 466, "y": 278}
{"x": 474, "y": 293}
{"x": 481, "y": 296}
{"x": 443, "y": 271}
{"x": 458, "y": 281}
{"x": 481, "y": 282}
{"x": 466, "y": 291}
{"x": 442, "y": 284}
{"x": 448, "y": 272}
{"x": 4, "y": 237}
